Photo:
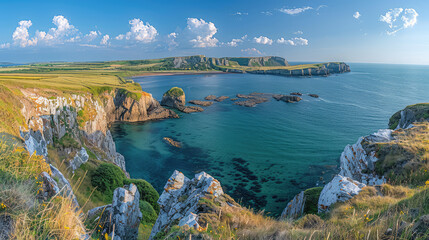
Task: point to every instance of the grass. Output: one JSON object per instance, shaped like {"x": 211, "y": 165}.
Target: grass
{"x": 421, "y": 111}
{"x": 174, "y": 91}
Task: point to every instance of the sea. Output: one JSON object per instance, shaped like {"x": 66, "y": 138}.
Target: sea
{"x": 265, "y": 155}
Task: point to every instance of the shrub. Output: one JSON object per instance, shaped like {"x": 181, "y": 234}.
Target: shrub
{"x": 107, "y": 177}
{"x": 147, "y": 192}
{"x": 149, "y": 214}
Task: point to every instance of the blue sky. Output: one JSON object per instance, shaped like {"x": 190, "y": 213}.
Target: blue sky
{"x": 384, "y": 31}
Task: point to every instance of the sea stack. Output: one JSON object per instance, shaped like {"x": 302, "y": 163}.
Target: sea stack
{"x": 174, "y": 98}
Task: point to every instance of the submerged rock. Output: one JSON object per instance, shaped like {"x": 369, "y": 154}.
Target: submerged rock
{"x": 191, "y": 109}
{"x": 313, "y": 95}
{"x": 173, "y": 143}
{"x": 296, "y": 93}
{"x": 180, "y": 201}
{"x": 174, "y": 98}
{"x": 340, "y": 189}
{"x": 201, "y": 103}
{"x": 251, "y": 102}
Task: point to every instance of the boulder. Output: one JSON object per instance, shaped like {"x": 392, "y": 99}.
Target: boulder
{"x": 190, "y": 109}
{"x": 296, "y": 93}
{"x": 125, "y": 212}
{"x": 174, "y": 98}
{"x": 201, "y": 103}
{"x": 286, "y": 98}
{"x": 80, "y": 158}
{"x": 180, "y": 200}
{"x": 340, "y": 189}
{"x": 295, "y": 208}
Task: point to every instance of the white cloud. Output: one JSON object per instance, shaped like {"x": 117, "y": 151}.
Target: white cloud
{"x": 139, "y": 32}
{"x": 294, "y": 11}
{"x": 201, "y": 33}
{"x": 263, "y": 40}
{"x": 298, "y": 32}
{"x": 356, "y": 15}
{"x": 57, "y": 35}
{"x": 399, "y": 19}
{"x": 234, "y": 42}
{"x": 172, "y": 40}
{"x": 241, "y": 13}
{"x": 92, "y": 35}
{"x": 268, "y": 13}
{"x": 251, "y": 51}
{"x": 4, "y": 45}
{"x": 105, "y": 40}
{"x": 298, "y": 41}
{"x": 21, "y": 36}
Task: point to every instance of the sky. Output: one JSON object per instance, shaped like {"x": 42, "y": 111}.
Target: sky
{"x": 364, "y": 31}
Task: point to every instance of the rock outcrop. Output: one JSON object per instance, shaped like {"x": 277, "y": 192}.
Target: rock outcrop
{"x": 252, "y": 99}
{"x": 323, "y": 70}
{"x": 64, "y": 185}
{"x": 405, "y": 118}
{"x": 201, "y": 103}
{"x": 357, "y": 161}
{"x": 340, "y": 189}
{"x": 210, "y": 97}
{"x": 295, "y": 208}
{"x": 125, "y": 212}
{"x": 221, "y": 98}
{"x": 174, "y": 98}
{"x": 80, "y": 158}
{"x": 180, "y": 201}
{"x": 313, "y": 95}
{"x": 287, "y": 98}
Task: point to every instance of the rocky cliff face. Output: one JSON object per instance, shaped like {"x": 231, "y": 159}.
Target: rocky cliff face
{"x": 181, "y": 201}
{"x": 76, "y": 121}
{"x": 203, "y": 62}
{"x": 324, "y": 70}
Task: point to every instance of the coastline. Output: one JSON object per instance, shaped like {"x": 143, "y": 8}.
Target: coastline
{"x": 168, "y": 73}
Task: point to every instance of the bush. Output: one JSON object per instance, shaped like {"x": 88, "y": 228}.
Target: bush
{"x": 149, "y": 214}
{"x": 147, "y": 192}
{"x": 106, "y": 178}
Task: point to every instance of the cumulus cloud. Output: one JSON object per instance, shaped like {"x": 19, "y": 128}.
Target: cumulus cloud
{"x": 92, "y": 35}
{"x": 172, "y": 40}
{"x": 201, "y": 33}
{"x": 139, "y": 32}
{"x": 234, "y": 42}
{"x": 399, "y": 19}
{"x": 251, "y": 51}
{"x": 263, "y": 40}
{"x": 298, "y": 41}
{"x": 294, "y": 11}
{"x": 356, "y": 15}
{"x": 105, "y": 40}
{"x": 63, "y": 32}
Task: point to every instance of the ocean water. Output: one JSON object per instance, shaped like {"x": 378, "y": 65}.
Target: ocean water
{"x": 266, "y": 154}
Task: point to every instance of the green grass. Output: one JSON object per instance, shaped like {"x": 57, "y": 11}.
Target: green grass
{"x": 175, "y": 92}
{"x": 421, "y": 111}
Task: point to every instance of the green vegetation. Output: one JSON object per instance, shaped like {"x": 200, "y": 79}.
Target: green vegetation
{"x": 106, "y": 178}
{"x": 149, "y": 214}
{"x": 68, "y": 141}
{"x": 421, "y": 111}
{"x": 147, "y": 192}
{"x": 311, "y": 199}
{"x": 175, "y": 92}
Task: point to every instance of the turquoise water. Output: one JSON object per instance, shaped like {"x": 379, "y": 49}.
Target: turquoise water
{"x": 265, "y": 155}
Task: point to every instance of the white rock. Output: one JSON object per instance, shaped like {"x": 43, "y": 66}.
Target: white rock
{"x": 295, "y": 208}
{"x": 340, "y": 189}
{"x": 80, "y": 158}
{"x": 191, "y": 220}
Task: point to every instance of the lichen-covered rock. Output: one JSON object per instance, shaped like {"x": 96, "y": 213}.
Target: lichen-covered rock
{"x": 80, "y": 158}
{"x": 125, "y": 212}
{"x": 35, "y": 142}
{"x": 340, "y": 189}
{"x": 49, "y": 187}
{"x": 6, "y": 227}
{"x": 180, "y": 200}
{"x": 295, "y": 208}
{"x": 64, "y": 185}
{"x": 358, "y": 163}
{"x": 174, "y": 98}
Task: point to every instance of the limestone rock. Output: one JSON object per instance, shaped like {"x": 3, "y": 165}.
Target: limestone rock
{"x": 358, "y": 163}
{"x": 49, "y": 187}
{"x": 64, "y": 185}
{"x": 80, "y": 158}
{"x": 180, "y": 200}
{"x": 295, "y": 208}
{"x": 340, "y": 189}
{"x": 201, "y": 103}
{"x": 125, "y": 212}
{"x": 35, "y": 142}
